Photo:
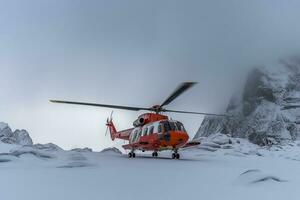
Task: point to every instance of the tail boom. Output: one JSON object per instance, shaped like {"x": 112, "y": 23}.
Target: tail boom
{"x": 123, "y": 135}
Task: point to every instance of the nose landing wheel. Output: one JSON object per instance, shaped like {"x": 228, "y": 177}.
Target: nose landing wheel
{"x": 175, "y": 156}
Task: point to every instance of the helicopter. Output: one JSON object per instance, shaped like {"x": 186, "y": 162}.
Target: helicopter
{"x": 152, "y": 131}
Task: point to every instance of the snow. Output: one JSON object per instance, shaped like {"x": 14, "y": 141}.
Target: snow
{"x": 220, "y": 139}
{"x": 5, "y": 148}
{"x": 243, "y": 171}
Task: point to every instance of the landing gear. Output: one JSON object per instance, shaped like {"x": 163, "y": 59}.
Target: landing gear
{"x": 175, "y": 155}
{"x": 131, "y": 155}
{"x": 154, "y": 154}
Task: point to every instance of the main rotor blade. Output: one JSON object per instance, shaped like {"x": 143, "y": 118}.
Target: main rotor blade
{"x": 179, "y": 90}
{"x": 101, "y": 105}
{"x": 197, "y": 113}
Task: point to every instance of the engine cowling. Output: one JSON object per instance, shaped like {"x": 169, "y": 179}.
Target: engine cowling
{"x": 139, "y": 122}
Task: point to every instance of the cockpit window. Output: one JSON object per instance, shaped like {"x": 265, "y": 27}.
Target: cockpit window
{"x": 166, "y": 126}
{"x": 172, "y": 126}
{"x": 180, "y": 126}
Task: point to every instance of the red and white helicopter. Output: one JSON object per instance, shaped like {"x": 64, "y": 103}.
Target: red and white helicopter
{"x": 152, "y": 131}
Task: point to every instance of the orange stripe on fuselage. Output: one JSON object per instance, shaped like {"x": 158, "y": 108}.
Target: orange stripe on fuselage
{"x": 176, "y": 139}
{"x": 154, "y": 142}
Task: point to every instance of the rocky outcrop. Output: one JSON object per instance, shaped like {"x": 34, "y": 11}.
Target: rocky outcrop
{"x": 47, "y": 147}
{"x": 268, "y": 109}
{"x": 82, "y": 150}
{"x": 20, "y": 137}
{"x": 112, "y": 150}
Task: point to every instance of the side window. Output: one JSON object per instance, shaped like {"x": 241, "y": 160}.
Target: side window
{"x": 137, "y": 135}
{"x": 151, "y": 130}
{"x": 133, "y": 135}
{"x": 145, "y": 131}
{"x": 159, "y": 128}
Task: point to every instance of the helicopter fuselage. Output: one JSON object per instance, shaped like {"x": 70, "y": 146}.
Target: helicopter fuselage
{"x": 153, "y": 132}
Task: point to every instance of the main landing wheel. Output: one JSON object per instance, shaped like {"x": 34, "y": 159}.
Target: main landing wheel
{"x": 131, "y": 155}
{"x": 154, "y": 154}
{"x": 175, "y": 156}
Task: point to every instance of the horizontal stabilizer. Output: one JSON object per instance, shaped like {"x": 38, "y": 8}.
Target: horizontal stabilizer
{"x": 191, "y": 144}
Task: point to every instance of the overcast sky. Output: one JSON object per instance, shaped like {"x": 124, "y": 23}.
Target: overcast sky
{"x": 130, "y": 52}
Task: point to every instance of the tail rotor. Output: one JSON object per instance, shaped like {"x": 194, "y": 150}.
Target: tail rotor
{"x": 106, "y": 127}
{"x": 108, "y": 122}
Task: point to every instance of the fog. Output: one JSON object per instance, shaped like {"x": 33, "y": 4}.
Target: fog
{"x": 131, "y": 53}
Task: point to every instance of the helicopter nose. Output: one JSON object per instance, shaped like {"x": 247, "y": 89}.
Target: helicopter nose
{"x": 179, "y": 137}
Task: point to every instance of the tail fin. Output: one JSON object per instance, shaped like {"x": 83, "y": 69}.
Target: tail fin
{"x": 112, "y": 129}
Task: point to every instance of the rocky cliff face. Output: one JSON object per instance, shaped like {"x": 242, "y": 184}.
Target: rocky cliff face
{"x": 267, "y": 111}
{"x": 20, "y": 137}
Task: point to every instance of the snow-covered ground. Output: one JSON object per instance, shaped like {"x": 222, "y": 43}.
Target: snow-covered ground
{"x": 215, "y": 170}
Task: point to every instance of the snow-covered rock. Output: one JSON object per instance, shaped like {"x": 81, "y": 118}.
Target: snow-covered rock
{"x": 47, "y": 147}
{"x": 20, "y": 137}
{"x": 28, "y": 150}
{"x": 3, "y": 125}
{"x": 82, "y": 150}
{"x": 113, "y": 150}
{"x": 220, "y": 139}
{"x": 267, "y": 111}
{"x": 254, "y": 176}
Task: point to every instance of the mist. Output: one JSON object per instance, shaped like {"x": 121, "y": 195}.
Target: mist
{"x": 131, "y": 53}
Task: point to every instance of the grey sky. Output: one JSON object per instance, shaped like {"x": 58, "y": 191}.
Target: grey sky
{"x": 130, "y": 52}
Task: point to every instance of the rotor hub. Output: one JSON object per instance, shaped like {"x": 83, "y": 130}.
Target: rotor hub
{"x": 157, "y": 109}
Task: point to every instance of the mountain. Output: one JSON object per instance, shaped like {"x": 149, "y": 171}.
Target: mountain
{"x": 266, "y": 110}
{"x": 20, "y": 137}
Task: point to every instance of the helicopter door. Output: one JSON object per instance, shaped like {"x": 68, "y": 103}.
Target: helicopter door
{"x": 159, "y": 129}
{"x": 166, "y": 131}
